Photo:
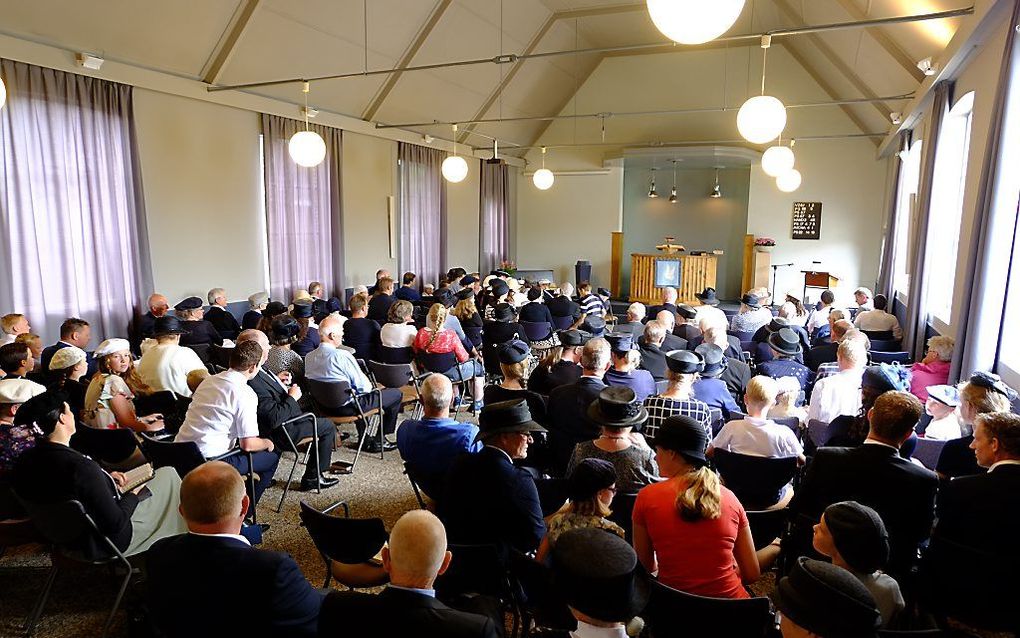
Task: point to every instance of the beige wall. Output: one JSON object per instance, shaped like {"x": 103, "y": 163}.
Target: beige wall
{"x": 369, "y": 177}
{"x": 203, "y": 198}
{"x": 462, "y": 204}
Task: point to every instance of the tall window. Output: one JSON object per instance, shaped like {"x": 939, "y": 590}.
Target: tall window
{"x": 946, "y": 211}
{"x": 906, "y": 216}
{"x": 1009, "y": 346}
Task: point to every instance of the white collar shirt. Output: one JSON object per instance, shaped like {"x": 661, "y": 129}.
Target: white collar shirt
{"x": 166, "y": 367}
{"x": 223, "y": 410}
{"x": 758, "y": 437}
{"x": 878, "y": 321}
{"x": 945, "y": 429}
{"x": 836, "y": 395}
{"x": 584, "y": 630}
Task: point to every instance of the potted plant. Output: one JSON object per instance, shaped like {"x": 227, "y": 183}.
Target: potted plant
{"x": 764, "y": 244}
{"x": 508, "y": 266}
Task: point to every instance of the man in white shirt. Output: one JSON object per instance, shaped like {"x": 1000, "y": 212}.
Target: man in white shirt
{"x": 840, "y": 393}
{"x": 820, "y": 316}
{"x": 756, "y": 435}
{"x": 224, "y": 413}
{"x": 11, "y": 326}
{"x": 863, "y": 298}
{"x": 166, "y": 365}
{"x": 878, "y": 320}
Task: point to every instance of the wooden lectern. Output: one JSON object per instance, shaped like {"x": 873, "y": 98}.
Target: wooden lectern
{"x": 697, "y": 272}
{"x": 815, "y": 279}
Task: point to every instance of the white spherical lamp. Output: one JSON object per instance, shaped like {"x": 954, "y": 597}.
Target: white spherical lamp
{"x": 694, "y": 21}
{"x": 543, "y": 179}
{"x": 761, "y": 119}
{"x": 789, "y": 181}
{"x": 307, "y": 148}
{"x": 777, "y": 160}
{"x": 455, "y": 169}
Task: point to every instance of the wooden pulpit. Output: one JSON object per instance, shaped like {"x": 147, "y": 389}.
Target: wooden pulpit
{"x": 818, "y": 279}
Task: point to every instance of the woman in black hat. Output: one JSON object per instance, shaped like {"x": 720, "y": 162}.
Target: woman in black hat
{"x": 752, "y": 315}
{"x": 786, "y": 346}
{"x": 308, "y": 334}
{"x": 272, "y": 310}
{"x": 591, "y": 488}
{"x": 285, "y": 333}
{"x": 690, "y": 528}
{"x": 514, "y": 357}
{"x": 682, "y": 370}
{"x": 617, "y": 411}
{"x": 466, "y": 310}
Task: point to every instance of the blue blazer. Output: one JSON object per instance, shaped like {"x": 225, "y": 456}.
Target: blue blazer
{"x": 715, "y": 393}
{"x": 219, "y": 586}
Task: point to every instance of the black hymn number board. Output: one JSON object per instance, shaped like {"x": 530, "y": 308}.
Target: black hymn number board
{"x": 807, "y": 220}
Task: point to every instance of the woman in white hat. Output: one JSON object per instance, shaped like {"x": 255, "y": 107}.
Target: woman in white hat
{"x": 109, "y": 398}
{"x": 67, "y": 374}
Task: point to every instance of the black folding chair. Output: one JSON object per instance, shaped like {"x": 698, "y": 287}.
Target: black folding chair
{"x": 766, "y": 525}
{"x": 669, "y": 609}
{"x": 410, "y": 473}
{"x": 885, "y": 345}
{"x": 345, "y": 542}
{"x": 879, "y": 335}
{"x": 757, "y": 481}
{"x": 116, "y": 449}
{"x": 75, "y": 538}
{"x": 540, "y": 602}
{"x": 399, "y": 376}
{"x": 902, "y": 358}
{"x": 818, "y": 432}
{"x": 396, "y": 355}
{"x": 552, "y": 494}
{"x": 330, "y": 396}
{"x": 219, "y": 356}
{"x": 440, "y": 363}
{"x": 308, "y": 443}
{"x": 536, "y": 330}
{"x": 478, "y": 569}
{"x": 623, "y": 509}
{"x": 203, "y": 352}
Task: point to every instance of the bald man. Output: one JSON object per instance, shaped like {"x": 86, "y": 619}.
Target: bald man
{"x": 278, "y": 407}
{"x": 158, "y": 307}
{"x": 211, "y": 582}
{"x": 415, "y": 555}
{"x": 671, "y": 341}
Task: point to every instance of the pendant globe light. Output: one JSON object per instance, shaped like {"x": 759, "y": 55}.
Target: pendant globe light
{"x": 777, "y": 159}
{"x": 306, "y": 147}
{"x": 762, "y": 118}
{"x": 694, "y": 21}
{"x": 454, "y": 168}
{"x": 789, "y": 181}
{"x": 543, "y": 177}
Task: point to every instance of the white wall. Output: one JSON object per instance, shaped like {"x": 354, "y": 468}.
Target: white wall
{"x": 201, "y": 181}
{"x": 462, "y": 206}
{"x": 369, "y": 178}
{"x": 845, "y": 177}
{"x": 572, "y": 220}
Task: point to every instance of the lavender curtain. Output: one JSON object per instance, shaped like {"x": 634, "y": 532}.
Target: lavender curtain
{"x": 887, "y": 276}
{"x": 494, "y": 225}
{"x": 422, "y": 212}
{"x": 917, "y": 313}
{"x": 72, "y": 219}
{"x": 980, "y": 318}
{"x": 303, "y": 220}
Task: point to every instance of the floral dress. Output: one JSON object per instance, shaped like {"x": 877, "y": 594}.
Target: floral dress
{"x": 14, "y": 440}
{"x": 565, "y": 521}
{"x": 98, "y": 411}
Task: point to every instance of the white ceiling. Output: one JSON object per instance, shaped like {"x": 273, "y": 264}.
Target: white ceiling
{"x": 282, "y": 39}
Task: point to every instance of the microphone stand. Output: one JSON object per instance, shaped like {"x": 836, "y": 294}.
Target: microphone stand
{"x": 776, "y": 267}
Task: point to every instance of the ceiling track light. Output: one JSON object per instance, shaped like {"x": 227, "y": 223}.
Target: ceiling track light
{"x": 927, "y": 66}
{"x": 672, "y": 193}
{"x": 454, "y": 168}
{"x": 716, "y": 190}
{"x": 307, "y": 147}
{"x": 762, "y": 118}
{"x": 543, "y": 178}
{"x": 651, "y": 189}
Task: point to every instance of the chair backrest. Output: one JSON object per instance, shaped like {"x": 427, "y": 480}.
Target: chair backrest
{"x": 202, "y": 350}
{"x": 736, "y": 415}
{"x": 741, "y": 335}
{"x": 392, "y": 375}
{"x": 890, "y": 357}
{"x": 661, "y": 386}
{"x": 766, "y": 525}
{"x": 623, "y": 509}
{"x": 791, "y": 422}
{"x": 818, "y": 432}
{"x": 345, "y": 540}
{"x": 536, "y": 330}
{"x": 669, "y": 609}
{"x": 885, "y": 345}
{"x": 437, "y": 361}
{"x": 552, "y": 494}
{"x": 927, "y": 451}
{"x": 183, "y": 456}
{"x": 974, "y": 585}
{"x": 879, "y": 335}
{"x": 220, "y": 356}
{"x": 396, "y": 355}
{"x": 717, "y": 420}
{"x": 329, "y": 395}
{"x": 474, "y": 335}
{"x": 541, "y": 597}
{"x": 562, "y": 323}
{"x": 105, "y": 446}
{"x": 757, "y": 481}
{"x": 475, "y": 569}
{"x": 67, "y": 525}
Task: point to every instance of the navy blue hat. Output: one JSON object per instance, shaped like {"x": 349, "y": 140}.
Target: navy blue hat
{"x": 687, "y": 312}
{"x": 751, "y": 301}
{"x": 827, "y": 600}
{"x": 274, "y": 308}
{"x": 715, "y": 362}
{"x": 589, "y": 477}
{"x": 684, "y": 362}
{"x": 992, "y": 381}
{"x": 708, "y": 297}
{"x": 503, "y": 312}
{"x": 686, "y": 437}
{"x": 621, "y": 343}
{"x": 603, "y": 292}
{"x": 465, "y": 293}
{"x": 498, "y": 287}
{"x": 534, "y": 294}
{"x": 594, "y": 325}
{"x": 785, "y": 341}
{"x": 947, "y": 394}
{"x": 285, "y": 327}
{"x": 445, "y": 296}
{"x": 301, "y": 310}
{"x": 500, "y": 273}
{"x": 572, "y": 338}
{"x": 189, "y": 304}
{"x": 467, "y": 280}
{"x": 506, "y": 416}
{"x": 513, "y": 351}
{"x": 168, "y": 325}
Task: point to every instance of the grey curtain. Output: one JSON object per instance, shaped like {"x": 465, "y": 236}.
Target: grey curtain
{"x": 494, "y": 225}
{"x": 422, "y": 212}
{"x": 981, "y": 319}
{"x": 303, "y": 211}
{"x": 73, "y": 238}
{"x": 887, "y": 275}
{"x": 917, "y": 313}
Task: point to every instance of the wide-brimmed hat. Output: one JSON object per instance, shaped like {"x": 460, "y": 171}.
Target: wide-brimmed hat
{"x": 777, "y": 324}
{"x": 593, "y": 325}
{"x": 572, "y": 338}
{"x": 827, "y": 601}
{"x": 859, "y": 535}
{"x": 992, "y": 381}
{"x": 621, "y": 343}
{"x": 274, "y": 308}
{"x": 190, "y": 303}
{"x": 465, "y": 293}
{"x": 617, "y": 407}
{"x": 445, "y": 296}
{"x": 589, "y": 477}
{"x": 684, "y": 361}
{"x": 715, "y": 361}
{"x": 67, "y": 357}
{"x": 111, "y": 346}
{"x": 751, "y": 301}
{"x": 503, "y": 312}
{"x": 285, "y": 327}
{"x": 708, "y": 297}
{"x": 946, "y": 394}
{"x": 885, "y": 377}
{"x": 785, "y": 341}
{"x": 599, "y": 574}
{"x": 505, "y": 417}
{"x": 467, "y": 280}
{"x": 301, "y": 310}
{"x": 168, "y": 325}
{"x": 513, "y": 351}
{"x": 686, "y": 311}
{"x": 685, "y": 436}
{"x": 498, "y": 287}
{"x": 301, "y": 295}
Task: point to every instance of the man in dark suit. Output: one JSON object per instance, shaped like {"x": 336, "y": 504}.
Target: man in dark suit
{"x": 688, "y": 328}
{"x": 635, "y": 320}
{"x": 668, "y": 302}
{"x": 407, "y": 291}
{"x": 875, "y": 475}
{"x": 379, "y": 305}
{"x": 653, "y": 357}
{"x": 195, "y": 329}
{"x": 489, "y": 500}
{"x": 158, "y": 307}
{"x": 564, "y": 305}
{"x": 414, "y": 556}
{"x": 670, "y": 341}
{"x": 736, "y": 375}
{"x": 567, "y": 408}
{"x": 567, "y": 370}
{"x": 73, "y": 332}
{"x": 211, "y": 582}
{"x": 278, "y": 403}
{"x": 218, "y": 315}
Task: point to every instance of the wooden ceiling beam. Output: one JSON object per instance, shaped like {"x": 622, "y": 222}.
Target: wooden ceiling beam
{"x": 890, "y": 46}
{"x": 227, "y": 44}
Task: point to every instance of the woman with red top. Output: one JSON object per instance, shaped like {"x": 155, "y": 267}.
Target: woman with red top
{"x": 436, "y": 339}
{"x": 690, "y": 529}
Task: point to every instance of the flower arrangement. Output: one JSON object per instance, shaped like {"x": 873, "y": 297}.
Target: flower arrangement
{"x": 509, "y": 266}
{"x": 764, "y": 241}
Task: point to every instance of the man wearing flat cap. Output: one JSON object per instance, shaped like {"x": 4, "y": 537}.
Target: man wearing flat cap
{"x": 488, "y": 500}
{"x": 195, "y": 330}
{"x": 563, "y": 371}
{"x": 820, "y": 599}
{"x": 218, "y": 315}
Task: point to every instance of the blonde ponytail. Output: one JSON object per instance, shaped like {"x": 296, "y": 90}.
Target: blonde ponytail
{"x": 436, "y": 320}
{"x": 702, "y": 498}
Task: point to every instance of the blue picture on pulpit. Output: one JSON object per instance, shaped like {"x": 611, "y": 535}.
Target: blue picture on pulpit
{"x": 667, "y": 273}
